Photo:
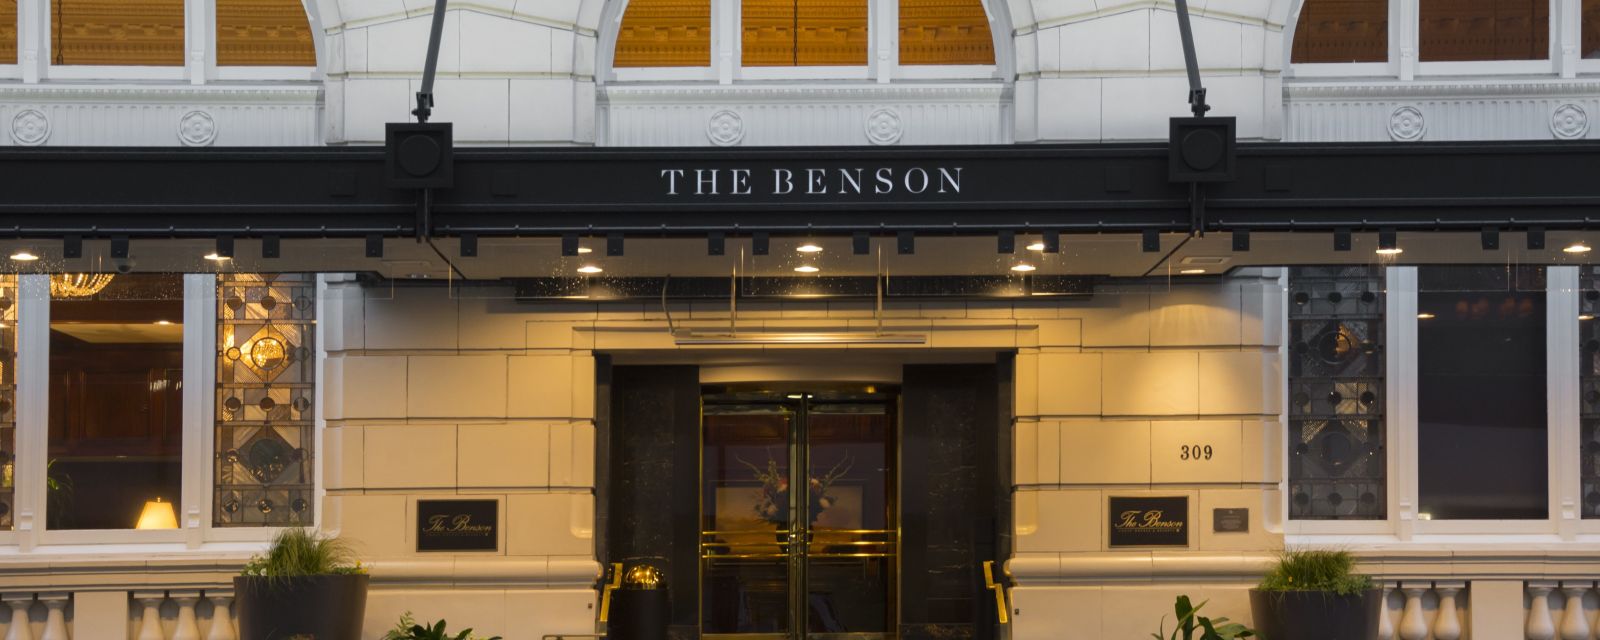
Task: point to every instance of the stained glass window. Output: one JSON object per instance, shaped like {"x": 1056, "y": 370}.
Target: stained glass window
{"x": 801, "y": 33}
{"x": 1591, "y": 30}
{"x": 1457, "y": 30}
{"x": 1337, "y": 460}
{"x": 944, "y": 32}
{"x": 665, "y": 33}
{"x": 8, "y": 397}
{"x": 1589, "y": 387}
{"x": 117, "y": 32}
{"x": 8, "y": 31}
{"x": 265, "y": 413}
{"x": 1342, "y": 31}
{"x": 264, "y": 33}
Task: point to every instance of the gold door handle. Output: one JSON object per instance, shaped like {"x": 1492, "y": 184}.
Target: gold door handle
{"x": 605, "y": 599}
{"x": 999, "y": 592}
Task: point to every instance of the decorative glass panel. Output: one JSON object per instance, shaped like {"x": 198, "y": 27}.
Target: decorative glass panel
{"x": 1589, "y": 387}
{"x": 8, "y": 31}
{"x": 665, "y": 33}
{"x": 264, "y": 33}
{"x": 790, "y": 33}
{"x": 8, "y": 397}
{"x": 117, "y": 32}
{"x": 266, "y": 383}
{"x": 1336, "y": 393}
{"x": 944, "y": 32}
{"x": 1591, "y": 30}
{"x": 1456, "y": 30}
{"x": 1342, "y": 31}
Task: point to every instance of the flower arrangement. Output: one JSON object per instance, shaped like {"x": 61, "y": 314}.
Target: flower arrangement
{"x": 772, "y": 497}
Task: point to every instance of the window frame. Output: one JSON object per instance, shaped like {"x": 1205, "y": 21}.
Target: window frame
{"x": 1405, "y": 50}
{"x": 196, "y": 531}
{"x": 727, "y": 63}
{"x": 1401, "y": 525}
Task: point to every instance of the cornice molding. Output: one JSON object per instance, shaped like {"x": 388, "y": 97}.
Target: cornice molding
{"x": 306, "y": 94}
{"x": 1353, "y": 89}
{"x": 794, "y": 94}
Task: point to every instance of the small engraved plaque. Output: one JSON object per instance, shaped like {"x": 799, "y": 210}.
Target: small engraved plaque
{"x": 458, "y": 525}
{"x": 1230, "y": 520}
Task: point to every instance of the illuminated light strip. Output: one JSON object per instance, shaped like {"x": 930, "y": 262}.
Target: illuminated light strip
{"x": 801, "y": 338}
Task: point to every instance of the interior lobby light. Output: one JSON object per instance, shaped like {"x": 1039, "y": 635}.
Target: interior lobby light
{"x": 585, "y": 250}
{"x": 1192, "y": 272}
{"x": 157, "y": 515}
{"x": 1586, "y": 316}
{"x": 216, "y": 257}
{"x": 1390, "y": 251}
{"x": 809, "y": 247}
{"x": 1577, "y": 247}
{"x": 1024, "y": 268}
{"x": 806, "y": 268}
{"x": 163, "y": 322}
{"x": 589, "y": 268}
{"x": 24, "y": 256}
{"x": 1037, "y": 246}
{"x": 1425, "y": 316}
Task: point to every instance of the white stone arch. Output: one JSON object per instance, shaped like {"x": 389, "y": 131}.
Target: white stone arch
{"x": 1000, "y": 30}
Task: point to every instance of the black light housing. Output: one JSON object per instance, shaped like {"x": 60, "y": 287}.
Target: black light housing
{"x": 374, "y": 245}
{"x": 72, "y": 246}
{"x": 469, "y": 245}
{"x": 1535, "y": 238}
{"x": 1388, "y": 239}
{"x": 613, "y": 244}
{"x": 419, "y": 155}
{"x": 1052, "y": 241}
{"x": 761, "y": 243}
{"x": 861, "y": 243}
{"x": 1007, "y": 242}
{"x": 1152, "y": 241}
{"x": 569, "y": 244}
{"x": 1202, "y": 149}
{"x": 119, "y": 246}
{"x": 1341, "y": 239}
{"x": 906, "y": 242}
{"x": 716, "y": 243}
{"x": 1241, "y": 239}
{"x": 1491, "y": 238}
{"x": 224, "y": 246}
{"x": 271, "y": 246}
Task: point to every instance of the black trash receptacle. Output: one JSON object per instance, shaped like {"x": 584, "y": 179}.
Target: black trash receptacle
{"x": 638, "y": 614}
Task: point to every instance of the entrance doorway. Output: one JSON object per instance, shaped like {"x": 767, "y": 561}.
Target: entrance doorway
{"x": 799, "y": 513}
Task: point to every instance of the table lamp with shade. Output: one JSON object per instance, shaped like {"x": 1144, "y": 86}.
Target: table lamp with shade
{"x": 157, "y": 515}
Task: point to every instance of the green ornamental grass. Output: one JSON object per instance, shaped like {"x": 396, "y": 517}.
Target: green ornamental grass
{"x": 302, "y": 552}
{"x": 1316, "y": 570}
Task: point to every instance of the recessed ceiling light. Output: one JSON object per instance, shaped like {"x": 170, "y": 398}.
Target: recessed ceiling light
{"x": 1577, "y": 247}
{"x": 1024, "y": 268}
{"x": 1586, "y": 316}
{"x": 589, "y": 268}
{"x": 806, "y": 269}
{"x": 1192, "y": 272}
{"x": 216, "y": 258}
{"x": 808, "y": 247}
{"x": 794, "y": 396}
{"x": 1037, "y": 246}
{"x": 1425, "y": 316}
{"x": 24, "y": 256}
{"x": 585, "y": 250}
{"x": 1391, "y": 251}
{"x": 163, "y": 322}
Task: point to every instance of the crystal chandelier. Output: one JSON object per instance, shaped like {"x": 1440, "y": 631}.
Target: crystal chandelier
{"x": 78, "y": 285}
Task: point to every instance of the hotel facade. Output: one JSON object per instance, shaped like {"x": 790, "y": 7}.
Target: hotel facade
{"x": 707, "y": 264}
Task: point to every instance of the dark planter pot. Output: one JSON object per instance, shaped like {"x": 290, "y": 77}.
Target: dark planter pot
{"x": 315, "y": 607}
{"x": 1315, "y": 615}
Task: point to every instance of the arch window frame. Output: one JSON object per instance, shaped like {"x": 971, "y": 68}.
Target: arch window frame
{"x": 1404, "y": 58}
{"x": 200, "y": 53}
{"x": 726, "y": 64}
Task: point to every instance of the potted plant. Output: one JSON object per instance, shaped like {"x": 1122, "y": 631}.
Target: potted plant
{"x": 1189, "y": 621}
{"x": 408, "y": 629}
{"x": 1315, "y": 595}
{"x": 305, "y": 585}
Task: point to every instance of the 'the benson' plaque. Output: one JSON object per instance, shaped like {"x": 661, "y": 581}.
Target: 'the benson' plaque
{"x": 1149, "y": 522}
{"x": 458, "y": 525}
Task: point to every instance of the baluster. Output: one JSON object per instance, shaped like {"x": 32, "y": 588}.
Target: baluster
{"x": 150, "y": 620}
{"x": 1385, "y": 621}
{"x": 20, "y": 628}
{"x": 1412, "y": 624}
{"x": 188, "y": 627}
{"x": 1574, "y": 623}
{"x": 1447, "y": 625}
{"x": 55, "y": 621}
{"x": 1541, "y": 626}
{"x": 221, "y": 615}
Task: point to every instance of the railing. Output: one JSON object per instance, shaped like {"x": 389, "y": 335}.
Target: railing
{"x": 1415, "y": 619}
{"x": 151, "y": 614}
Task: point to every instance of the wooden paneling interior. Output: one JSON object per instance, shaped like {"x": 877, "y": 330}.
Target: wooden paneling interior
{"x": 804, "y": 33}
{"x": 665, "y": 33}
{"x": 8, "y": 31}
{"x": 1342, "y": 31}
{"x": 944, "y": 32}
{"x": 117, "y": 32}
{"x": 264, "y": 33}
{"x": 1467, "y": 30}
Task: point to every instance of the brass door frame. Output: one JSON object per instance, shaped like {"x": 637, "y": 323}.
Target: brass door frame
{"x": 798, "y": 536}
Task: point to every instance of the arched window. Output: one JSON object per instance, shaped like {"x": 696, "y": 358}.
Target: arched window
{"x": 264, "y": 33}
{"x": 804, "y": 33}
{"x": 1342, "y": 31}
{"x": 151, "y": 33}
{"x": 1459, "y": 30}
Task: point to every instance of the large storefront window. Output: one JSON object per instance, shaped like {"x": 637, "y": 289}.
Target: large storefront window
{"x": 1463, "y": 30}
{"x": 1342, "y": 31}
{"x": 116, "y": 404}
{"x": 1336, "y": 393}
{"x": 665, "y": 33}
{"x": 154, "y": 33}
{"x": 124, "y": 32}
{"x": 255, "y": 33}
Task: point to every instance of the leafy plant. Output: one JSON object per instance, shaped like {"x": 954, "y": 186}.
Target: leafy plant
{"x": 301, "y": 552}
{"x": 1316, "y": 570}
{"x": 408, "y": 629}
{"x": 1189, "y": 621}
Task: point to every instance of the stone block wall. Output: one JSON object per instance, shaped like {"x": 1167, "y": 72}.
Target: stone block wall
{"x": 429, "y": 394}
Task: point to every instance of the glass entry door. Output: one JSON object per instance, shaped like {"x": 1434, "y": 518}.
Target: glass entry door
{"x": 798, "y": 514}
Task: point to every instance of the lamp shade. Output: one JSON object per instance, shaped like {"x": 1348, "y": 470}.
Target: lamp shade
{"x": 157, "y": 515}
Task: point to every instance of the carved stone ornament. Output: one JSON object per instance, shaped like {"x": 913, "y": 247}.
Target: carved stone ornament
{"x": 725, "y": 128}
{"x": 30, "y": 128}
{"x": 883, "y": 127}
{"x": 1406, "y": 124}
{"x": 1569, "y": 122}
{"x": 197, "y": 129}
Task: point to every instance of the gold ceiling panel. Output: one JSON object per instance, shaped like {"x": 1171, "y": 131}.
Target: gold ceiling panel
{"x": 784, "y": 33}
{"x": 8, "y": 31}
{"x": 117, "y": 32}
{"x": 665, "y": 33}
{"x": 264, "y": 33}
{"x": 1342, "y": 31}
{"x": 944, "y": 32}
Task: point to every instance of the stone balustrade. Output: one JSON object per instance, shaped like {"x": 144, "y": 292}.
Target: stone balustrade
{"x": 1427, "y": 610}
{"x": 141, "y": 614}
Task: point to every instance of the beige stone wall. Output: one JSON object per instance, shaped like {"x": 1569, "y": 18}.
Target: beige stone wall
{"x": 432, "y": 394}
